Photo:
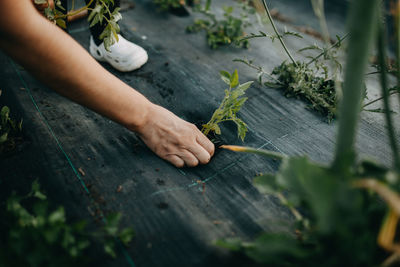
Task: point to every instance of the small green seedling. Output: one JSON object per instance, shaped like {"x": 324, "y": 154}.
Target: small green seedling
{"x": 7, "y": 125}
{"x": 230, "y": 105}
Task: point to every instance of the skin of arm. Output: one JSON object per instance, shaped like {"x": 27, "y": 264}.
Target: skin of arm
{"x": 55, "y": 58}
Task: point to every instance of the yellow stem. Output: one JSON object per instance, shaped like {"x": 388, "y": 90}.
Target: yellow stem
{"x": 74, "y": 12}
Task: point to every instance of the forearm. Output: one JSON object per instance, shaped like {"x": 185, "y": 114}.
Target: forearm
{"x": 55, "y": 58}
{"x": 65, "y": 66}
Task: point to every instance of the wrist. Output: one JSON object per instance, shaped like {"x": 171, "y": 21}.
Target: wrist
{"x": 138, "y": 122}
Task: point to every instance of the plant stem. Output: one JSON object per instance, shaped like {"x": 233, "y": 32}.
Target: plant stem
{"x": 362, "y": 12}
{"x": 284, "y": 201}
{"x": 385, "y": 94}
{"x": 380, "y": 98}
{"x": 208, "y": 5}
{"x": 330, "y": 48}
{"x": 259, "y": 69}
{"x": 397, "y": 36}
{"x": 277, "y": 33}
{"x": 378, "y": 72}
{"x": 74, "y": 12}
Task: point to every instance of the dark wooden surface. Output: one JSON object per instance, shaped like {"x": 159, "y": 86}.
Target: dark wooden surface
{"x": 177, "y": 214}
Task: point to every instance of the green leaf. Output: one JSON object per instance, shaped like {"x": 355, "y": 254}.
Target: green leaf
{"x": 5, "y": 113}
{"x": 61, "y": 23}
{"x": 112, "y": 221}
{"x": 272, "y": 85}
{"x": 234, "y": 81}
{"x": 109, "y": 249}
{"x": 233, "y": 244}
{"x": 314, "y": 185}
{"x": 216, "y": 129}
{"x": 243, "y": 87}
{"x": 3, "y": 138}
{"x": 57, "y": 216}
{"x": 266, "y": 184}
{"x": 241, "y": 127}
{"x": 272, "y": 248}
{"x": 126, "y": 235}
{"x": 226, "y": 77}
{"x": 35, "y": 191}
{"x": 94, "y": 21}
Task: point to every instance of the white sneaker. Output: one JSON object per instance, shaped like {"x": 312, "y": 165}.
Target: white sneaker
{"x": 124, "y": 56}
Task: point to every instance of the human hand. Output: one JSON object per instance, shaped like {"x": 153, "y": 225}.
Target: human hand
{"x": 174, "y": 139}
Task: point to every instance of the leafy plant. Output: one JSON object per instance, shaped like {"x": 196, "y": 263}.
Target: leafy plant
{"x": 165, "y": 5}
{"x": 230, "y": 105}
{"x": 9, "y": 130}
{"x": 226, "y": 31}
{"x": 7, "y": 125}
{"x": 303, "y": 82}
{"x": 34, "y": 235}
{"x": 99, "y": 14}
{"x": 336, "y": 222}
{"x": 312, "y": 81}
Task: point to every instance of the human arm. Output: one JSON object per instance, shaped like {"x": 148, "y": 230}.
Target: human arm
{"x": 56, "y": 59}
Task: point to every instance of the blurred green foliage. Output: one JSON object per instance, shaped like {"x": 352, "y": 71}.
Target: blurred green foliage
{"x": 165, "y": 5}
{"x": 33, "y": 234}
{"x": 336, "y": 222}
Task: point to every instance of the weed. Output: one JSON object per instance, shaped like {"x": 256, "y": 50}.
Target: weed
{"x": 35, "y": 235}
{"x": 9, "y": 130}
{"x": 230, "y": 105}
{"x": 303, "y": 82}
{"x": 226, "y": 31}
{"x": 165, "y": 5}
{"x": 313, "y": 81}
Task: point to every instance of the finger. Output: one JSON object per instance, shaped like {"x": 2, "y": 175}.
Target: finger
{"x": 206, "y": 143}
{"x": 175, "y": 160}
{"x": 189, "y": 159}
{"x": 202, "y": 155}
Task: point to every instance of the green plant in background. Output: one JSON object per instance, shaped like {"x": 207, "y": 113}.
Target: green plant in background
{"x": 35, "y": 235}
{"x": 226, "y": 31}
{"x": 303, "y": 82}
{"x": 337, "y": 222}
{"x": 165, "y": 5}
{"x": 312, "y": 81}
{"x": 7, "y": 125}
{"x": 230, "y": 105}
{"x": 10, "y": 131}
{"x": 99, "y": 14}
